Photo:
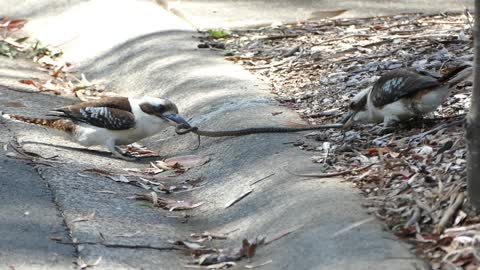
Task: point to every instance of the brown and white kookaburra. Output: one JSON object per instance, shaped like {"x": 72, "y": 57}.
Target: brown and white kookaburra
{"x": 402, "y": 94}
{"x": 110, "y": 121}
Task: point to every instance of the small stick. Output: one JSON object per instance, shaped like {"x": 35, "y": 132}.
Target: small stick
{"x": 325, "y": 175}
{"x": 261, "y": 179}
{"x": 245, "y": 194}
{"x": 278, "y": 37}
{"x": 353, "y": 226}
{"x": 283, "y": 234}
{"x": 452, "y": 209}
{"x": 416, "y": 215}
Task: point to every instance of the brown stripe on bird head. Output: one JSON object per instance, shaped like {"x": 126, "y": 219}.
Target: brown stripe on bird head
{"x": 358, "y": 105}
{"x": 158, "y": 109}
{"x": 152, "y": 109}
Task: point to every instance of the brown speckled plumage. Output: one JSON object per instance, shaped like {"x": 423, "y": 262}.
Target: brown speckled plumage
{"x": 58, "y": 124}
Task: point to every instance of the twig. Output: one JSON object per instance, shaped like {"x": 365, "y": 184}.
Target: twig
{"x": 245, "y": 194}
{"x": 457, "y": 230}
{"x": 261, "y": 179}
{"x": 340, "y": 38}
{"x": 269, "y": 66}
{"x": 252, "y": 266}
{"x": 448, "y": 215}
{"x": 283, "y": 234}
{"x": 416, "y": 215}
{"x": 278, "y": 37}
{"x": 221, "y": 265}
{"x": 353, "y": 226}
{"x": 325, "y": 175}
{"x": 434, "y": 130}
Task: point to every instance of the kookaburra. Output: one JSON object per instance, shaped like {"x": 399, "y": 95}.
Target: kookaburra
{"x": 402, "y": 94}
{"x": 110, "y": 121}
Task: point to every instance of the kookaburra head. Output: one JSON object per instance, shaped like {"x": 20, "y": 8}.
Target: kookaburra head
{"x": 111, "y": 121}
{"x": 402, "y": 94}
{"x": 165, "y": 110}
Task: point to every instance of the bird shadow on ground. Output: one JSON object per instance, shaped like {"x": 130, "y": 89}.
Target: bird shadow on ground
{"x": 101, "y": 153}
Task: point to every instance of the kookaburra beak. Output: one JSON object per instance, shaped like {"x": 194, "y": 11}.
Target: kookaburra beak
{"x": 174, "y": 118}
{"x": 347, "y": 120}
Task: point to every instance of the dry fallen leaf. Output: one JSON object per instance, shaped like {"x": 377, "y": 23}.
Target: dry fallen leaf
{"x": 12, "y": 25}
{"x": 189, "y": 245}
{"x": 85, "y": 217}
{"x": 222, "y": 265}
{"x": 119, "y": 178}
{"x": 182, "y": 205}
{"x": 209, "y": 236}
{"x": 186, "y": 162}
{"x": 28, "y": 82}
{"x": 167, "y": 203}
{"x": 84, "y": 265}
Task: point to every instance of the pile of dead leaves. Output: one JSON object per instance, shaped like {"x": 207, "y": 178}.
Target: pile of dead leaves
{"x": 414, "y": 178}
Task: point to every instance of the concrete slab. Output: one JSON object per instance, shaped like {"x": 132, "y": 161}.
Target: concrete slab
{"x": 156, "y": 55}
{"x": 30, "y": 222}
{"x": 234, "y": 14}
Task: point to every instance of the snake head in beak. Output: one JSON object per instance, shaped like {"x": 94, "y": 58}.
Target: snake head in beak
{"x": 174, "y": 119}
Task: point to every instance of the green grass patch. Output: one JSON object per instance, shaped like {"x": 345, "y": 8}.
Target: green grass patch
{"x": 218, "y": 33}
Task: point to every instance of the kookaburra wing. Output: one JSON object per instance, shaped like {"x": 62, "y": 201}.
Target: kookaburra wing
{"x": 402, "y": 94}
{"x": 113, "y": 113}
{"x": 110, "y": 121}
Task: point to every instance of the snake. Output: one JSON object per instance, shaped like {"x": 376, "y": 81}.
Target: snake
{"x": 182, "y": 129}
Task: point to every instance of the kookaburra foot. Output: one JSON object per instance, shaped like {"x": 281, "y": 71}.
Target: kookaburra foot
{"x": 123, "y": 155}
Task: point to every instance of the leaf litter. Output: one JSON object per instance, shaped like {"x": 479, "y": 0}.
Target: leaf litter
{"x": 205, "y": 256}
{"x": 414, "y": 177}
{"x": 167, "y": 203}
{"x": 162, "y": 176}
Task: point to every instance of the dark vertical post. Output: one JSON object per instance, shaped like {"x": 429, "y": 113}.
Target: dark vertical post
{"x": 473, "y": 123}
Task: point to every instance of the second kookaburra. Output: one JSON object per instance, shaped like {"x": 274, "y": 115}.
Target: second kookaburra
{"x": 111, "y": 121}
{"x": 403, "y": 94}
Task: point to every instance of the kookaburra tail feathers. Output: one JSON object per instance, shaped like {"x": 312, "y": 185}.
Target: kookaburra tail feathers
{"x": 110, "y": 121}
{"x": 402, "y": 94}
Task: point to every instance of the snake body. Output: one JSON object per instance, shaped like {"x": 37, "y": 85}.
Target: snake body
{"x": 182, "y": 129}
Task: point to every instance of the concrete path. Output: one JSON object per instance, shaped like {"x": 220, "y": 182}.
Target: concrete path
{"x": 231, "y": 14}
{"x": 29, "y": 220}
{"x": 140, "y": 48}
